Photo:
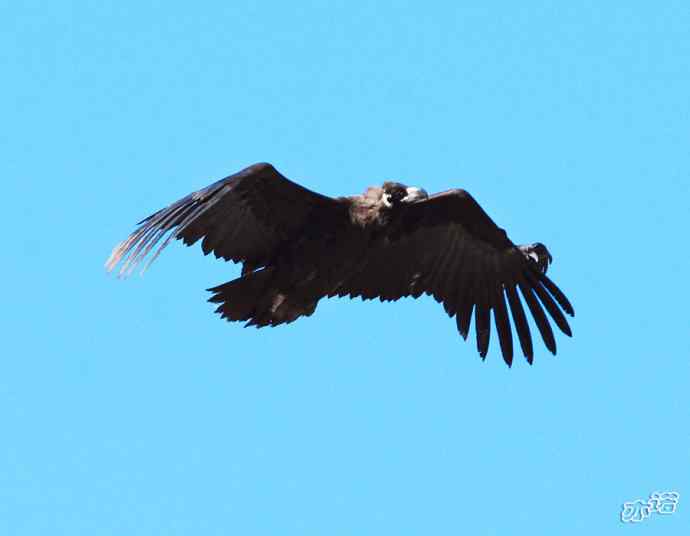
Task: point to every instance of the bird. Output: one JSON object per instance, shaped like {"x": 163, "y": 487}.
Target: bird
{"x": 297, "y": 246}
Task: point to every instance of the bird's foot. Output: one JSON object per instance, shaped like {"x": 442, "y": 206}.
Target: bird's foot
{"x": 538, "y": 253}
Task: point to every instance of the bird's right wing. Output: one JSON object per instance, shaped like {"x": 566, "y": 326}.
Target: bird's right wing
{"x": 243, "y": 218}
{"x": 448, "y": 247}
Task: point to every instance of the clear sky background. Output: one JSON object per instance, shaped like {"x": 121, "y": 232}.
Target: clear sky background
{"x": 128, "y": 408}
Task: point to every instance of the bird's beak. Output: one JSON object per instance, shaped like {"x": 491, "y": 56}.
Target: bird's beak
{"x": 415, "y": 194}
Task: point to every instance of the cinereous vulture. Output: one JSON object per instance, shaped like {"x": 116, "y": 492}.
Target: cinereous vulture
{"x": 297, "y": 246}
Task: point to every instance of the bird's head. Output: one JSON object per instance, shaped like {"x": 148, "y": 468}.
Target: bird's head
{"x": 394, "y": 194}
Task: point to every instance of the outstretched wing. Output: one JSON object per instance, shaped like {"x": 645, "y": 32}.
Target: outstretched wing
{"x": 244, "y": 217}
{"x": 448, "y": 247}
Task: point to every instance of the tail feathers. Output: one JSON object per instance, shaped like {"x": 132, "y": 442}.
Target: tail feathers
{"x": 238, "y": 298}
{"x": 252, "y": 298}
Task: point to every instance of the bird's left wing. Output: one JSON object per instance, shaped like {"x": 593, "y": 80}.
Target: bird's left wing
{"x": 244, "y": 217}
{"x": 448, "y": 247}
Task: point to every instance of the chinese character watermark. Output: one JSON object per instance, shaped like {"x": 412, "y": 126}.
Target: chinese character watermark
{"x": 659, "y": 502}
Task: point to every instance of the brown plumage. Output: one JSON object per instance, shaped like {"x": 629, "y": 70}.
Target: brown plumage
{"x": 297, "y": 246}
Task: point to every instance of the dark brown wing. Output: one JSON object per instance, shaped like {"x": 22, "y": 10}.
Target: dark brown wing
{"x": 244, "y": 217}
{"x": 448, "y": 247}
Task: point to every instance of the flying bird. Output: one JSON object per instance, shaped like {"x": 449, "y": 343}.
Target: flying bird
{"x": 297, "y": 246}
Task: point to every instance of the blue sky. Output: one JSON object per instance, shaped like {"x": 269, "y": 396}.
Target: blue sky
{"x": 127, "y": 407}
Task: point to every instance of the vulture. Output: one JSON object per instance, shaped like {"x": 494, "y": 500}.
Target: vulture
{"x": 297, "y": 246}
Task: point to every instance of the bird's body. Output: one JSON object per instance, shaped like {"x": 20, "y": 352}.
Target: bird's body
{"x": 297, "y": 246}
